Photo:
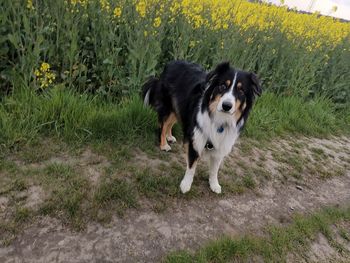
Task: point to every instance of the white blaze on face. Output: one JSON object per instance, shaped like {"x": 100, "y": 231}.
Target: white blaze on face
{"x": 228, "y": 97}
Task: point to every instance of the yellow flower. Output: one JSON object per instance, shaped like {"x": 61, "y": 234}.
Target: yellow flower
{"x": 37, "y": 73}
{"x": 30, "y": 4}
{"x": 44, "y": 76}
{"x": 117, "y": 12}
{"x": 141, "y": 8}
{"x": 45, "y": 67}
{"x": 157, "y": 22}
{"x": 105, "y": 5}
{"x": 78, "y": 2}
{"x": 218, "y": 14}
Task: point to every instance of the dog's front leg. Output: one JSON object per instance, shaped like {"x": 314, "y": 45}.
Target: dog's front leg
{"x": 191, "y": 159}
{"x": 213, "y": 174}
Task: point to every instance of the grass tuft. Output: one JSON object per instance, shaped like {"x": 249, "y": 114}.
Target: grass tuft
{"x": 68, "y": 192}
{"x": 274, "y": 246}
{"x": 155, "y": 185}
{"x": 115, "y": 190}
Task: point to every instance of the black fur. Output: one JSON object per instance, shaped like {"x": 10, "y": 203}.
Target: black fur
{"x": 185, "y": 88}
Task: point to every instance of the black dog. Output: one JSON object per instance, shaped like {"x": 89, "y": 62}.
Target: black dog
{"x": 212, "y": 108}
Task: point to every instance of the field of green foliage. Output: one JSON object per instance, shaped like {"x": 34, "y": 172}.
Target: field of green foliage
{"x": 69, "y": 67}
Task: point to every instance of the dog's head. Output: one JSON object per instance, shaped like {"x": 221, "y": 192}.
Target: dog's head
{"x": 231, "y": 92}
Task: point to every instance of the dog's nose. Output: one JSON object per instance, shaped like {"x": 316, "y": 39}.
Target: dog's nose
{"x": 226, "y": 105}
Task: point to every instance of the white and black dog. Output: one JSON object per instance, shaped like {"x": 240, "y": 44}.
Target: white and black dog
{"x": 212, "y": 108}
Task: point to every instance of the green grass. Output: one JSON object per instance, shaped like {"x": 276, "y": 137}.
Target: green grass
{"x": 344, "y": 234}
{"x": 77, "y": 118}
{"x": 26, "y": 116}
{"x": 275, "y": 115}
{"x": 318, "y": 154}
{"x": 249, "y": 182}
{"x": 112, "y": 191}
{"x": 68, "y": 191}
{"x": 273, "y": 246}
{"x": 22, "y": 214}
{"x": 152, "y": 184}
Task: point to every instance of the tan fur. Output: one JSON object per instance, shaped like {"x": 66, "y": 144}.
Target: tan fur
{"x": 228, "y": 83}
{"x": 166, "y": 129}
{"x": 171, "y": 121}
{"x": 239, "y": 110}
{"x": 214, "y": 104}
{"x": 239, "y": 85}
{"x": 186, "y": 149}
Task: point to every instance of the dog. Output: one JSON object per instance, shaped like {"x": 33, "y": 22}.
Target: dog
{"x": 212, "y": 108}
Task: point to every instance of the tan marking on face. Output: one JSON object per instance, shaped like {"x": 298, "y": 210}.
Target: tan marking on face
{"x": 238, "y": 104}
{"x": 228, "y": 83}
{"x": 239, "y": 85}
{"x": 213, "y": 104}
{"x": 167, "y": 125}
{"x": 238, "y": 109}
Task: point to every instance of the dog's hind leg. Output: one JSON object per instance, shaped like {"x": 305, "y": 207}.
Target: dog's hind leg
{"x": 164, "y": 127}
{"x": 169, "y": 136}
{"x": 192, "y": 158}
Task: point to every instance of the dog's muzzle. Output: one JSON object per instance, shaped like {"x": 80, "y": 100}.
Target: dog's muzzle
{"x": 226, "y": 106}
{"x": 209, "y": 146}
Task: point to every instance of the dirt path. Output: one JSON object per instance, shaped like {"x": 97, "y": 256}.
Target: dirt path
{"x": 145, "y": 236}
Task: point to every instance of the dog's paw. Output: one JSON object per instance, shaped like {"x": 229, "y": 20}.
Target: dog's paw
{"x": 165, "y": 147}
{"x": 185, "y": 186}
{"x": 171, "y": 139}
{"x": 215, "y": 187}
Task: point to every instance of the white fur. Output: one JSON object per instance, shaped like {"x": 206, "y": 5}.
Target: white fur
{"x": 228, "y": 96}
{"x": 146, "y": 100}
{"x": 186, "y": 182}
{"x": 171, "y": 139}
{"x": 222, "y": 142}
{"x": 213, "y": 174}
{"x": 165, "y": 147}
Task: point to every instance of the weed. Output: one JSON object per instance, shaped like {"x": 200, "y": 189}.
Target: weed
{"x": 115, "y": 190}
{"x": 249, "y": 182}
{"x": 155, "y": 185}
{"x": 344, "y": 234}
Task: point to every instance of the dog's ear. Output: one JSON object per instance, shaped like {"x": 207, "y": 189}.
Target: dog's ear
{"x": 220, "y": 69}
{"x": 256, "y": 84}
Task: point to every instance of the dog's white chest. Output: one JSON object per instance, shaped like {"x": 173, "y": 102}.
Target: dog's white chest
{"x": 222, "y": 137}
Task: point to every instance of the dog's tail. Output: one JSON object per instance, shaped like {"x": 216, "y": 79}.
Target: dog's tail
{"x": 148, "y": 90}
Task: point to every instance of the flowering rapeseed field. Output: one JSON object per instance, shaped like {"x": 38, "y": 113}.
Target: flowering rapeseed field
{"x": 111, "y": 46}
